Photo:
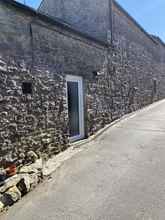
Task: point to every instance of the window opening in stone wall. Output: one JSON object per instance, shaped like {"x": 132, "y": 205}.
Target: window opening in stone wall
{"x": 155, "y": 86}
{"x": 27, "y": 88}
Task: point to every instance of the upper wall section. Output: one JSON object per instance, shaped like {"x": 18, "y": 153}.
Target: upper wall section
{"x": 27, "y": 38}
{"x": 15, "y": 40}
{"x": 88, "y": 16}
{"x": 125, "y": 28}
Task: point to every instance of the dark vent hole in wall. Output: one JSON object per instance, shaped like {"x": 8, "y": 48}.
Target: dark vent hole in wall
{"x": 155, "y": 85}
{"x": 27, "y": 88}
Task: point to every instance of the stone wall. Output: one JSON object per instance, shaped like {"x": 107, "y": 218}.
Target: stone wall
{"x": 117, "y": 79}
{"x": 36, "y": 121}
{"x": 37, "y": 52}
{"x": 133, "y": 77}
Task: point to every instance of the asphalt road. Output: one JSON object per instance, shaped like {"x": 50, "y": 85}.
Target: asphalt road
{"x": 119, "y": 176}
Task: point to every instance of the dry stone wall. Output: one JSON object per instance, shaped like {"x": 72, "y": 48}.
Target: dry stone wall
{"x": 118, "y": 79}
{"x": 36, "y": 121}
{"x": 141, "y": 60}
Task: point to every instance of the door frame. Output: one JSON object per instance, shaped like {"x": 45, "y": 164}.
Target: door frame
{"x": 79, "y": 80}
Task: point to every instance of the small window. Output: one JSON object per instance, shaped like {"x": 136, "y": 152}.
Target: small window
{"x": 155, "y": 85}
{"x": 27, "y": 88}
{"x": 95, "y": 73}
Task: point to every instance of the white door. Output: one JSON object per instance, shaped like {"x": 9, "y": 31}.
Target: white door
{"x": 75, "y": 107}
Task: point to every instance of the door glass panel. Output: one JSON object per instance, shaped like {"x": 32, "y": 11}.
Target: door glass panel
{"x": 73, "y": 108}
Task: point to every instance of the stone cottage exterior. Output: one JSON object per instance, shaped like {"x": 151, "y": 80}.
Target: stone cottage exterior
{"x": 70, "y": 68}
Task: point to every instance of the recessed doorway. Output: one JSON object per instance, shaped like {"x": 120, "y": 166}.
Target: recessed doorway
{"x": 75, "y": 107}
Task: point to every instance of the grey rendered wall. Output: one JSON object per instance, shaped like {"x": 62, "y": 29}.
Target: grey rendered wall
{"x": 15, "y": 40}
{"x": 89, "y": 16}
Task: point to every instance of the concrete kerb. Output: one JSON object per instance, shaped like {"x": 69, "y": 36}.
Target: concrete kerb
{"x": 124, "y": 117}
{"x": 57, "y": 161}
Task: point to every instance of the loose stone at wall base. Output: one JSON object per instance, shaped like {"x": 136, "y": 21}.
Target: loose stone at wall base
{"x": 1, "y": 205}
{"x": 13, "y": 194}
{"x": 13, "y": 188}
{"x": 24, "y": 184}
{"x": 10, "y": 182}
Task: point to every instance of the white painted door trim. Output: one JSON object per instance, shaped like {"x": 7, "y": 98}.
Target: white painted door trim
{"x": 79, "y": 80}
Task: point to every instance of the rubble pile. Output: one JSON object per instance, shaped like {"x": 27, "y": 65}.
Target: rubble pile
{"x": 18, "y": 181}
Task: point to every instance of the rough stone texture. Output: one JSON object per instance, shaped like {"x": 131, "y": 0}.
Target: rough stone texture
{"x": 140, "y": 63}
{"x": 10, "y": 182}
{"x": 15, "y": 187}
{"x": 24, "y": 184}
{"x": 131, "y": 75}
{"x": 1, "y": 206}
{"x": 13, "y": 194}
{"x": 32, "y": 122}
